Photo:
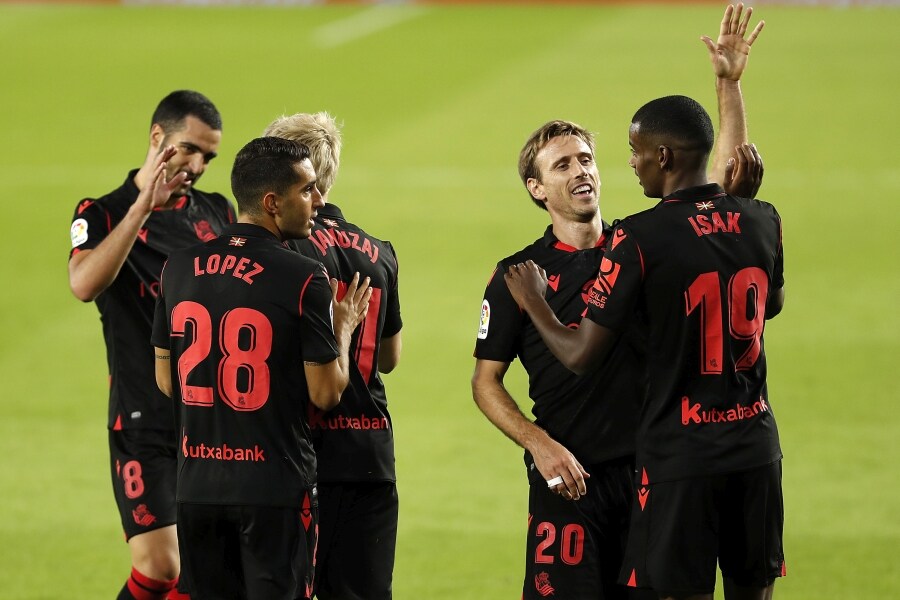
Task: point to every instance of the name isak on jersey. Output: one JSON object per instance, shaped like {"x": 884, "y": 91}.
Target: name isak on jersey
{"x": 714, "y": 223}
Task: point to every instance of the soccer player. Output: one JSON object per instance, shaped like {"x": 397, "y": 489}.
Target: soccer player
{"x": 244, "y": 342}
{"x": 581, "y": 444}
{"x": 119, "y": 244}
{"x": 702, "y": 271}
{"x": 354, "y": 441}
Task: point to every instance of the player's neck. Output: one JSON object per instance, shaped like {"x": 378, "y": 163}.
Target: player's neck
{"x": 683, "y": 181}
{"x": 580, "y": 235}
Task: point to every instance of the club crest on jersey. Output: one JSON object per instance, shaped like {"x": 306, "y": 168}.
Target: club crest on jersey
{"x": 485, "y": 320}
{"x": 143, "y": 516}
{"x": 79, "y": 232}
{"x": 330, "y": 222}
{"x": 542, "y": 584}
{"x": 706, "y": 205}
{"x": 237, "y": 241}
{"x": 204, "y": 230}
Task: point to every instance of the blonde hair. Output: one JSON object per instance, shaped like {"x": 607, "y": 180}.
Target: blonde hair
{"x": 321, "y": 134}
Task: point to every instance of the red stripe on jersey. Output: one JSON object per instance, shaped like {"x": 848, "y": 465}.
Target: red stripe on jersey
{"x": 719, "y": 195}
{"x": 303, "y": 291}
{"x": 641, "y": 257}
{"x": 365, "y": 346}
{"x": 567, "y": 248}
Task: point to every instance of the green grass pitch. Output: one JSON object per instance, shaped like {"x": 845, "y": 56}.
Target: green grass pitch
{"x": 436, "y": 102}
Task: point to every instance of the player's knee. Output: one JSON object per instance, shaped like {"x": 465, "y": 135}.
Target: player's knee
{"x": 156, "y": 555}
{"x": 162, "y": 565}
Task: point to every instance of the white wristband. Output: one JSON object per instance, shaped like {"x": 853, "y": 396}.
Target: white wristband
{"x": 551, "y": 483}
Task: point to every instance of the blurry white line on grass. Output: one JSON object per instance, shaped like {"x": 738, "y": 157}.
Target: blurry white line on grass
{"x": 363, "y": 23}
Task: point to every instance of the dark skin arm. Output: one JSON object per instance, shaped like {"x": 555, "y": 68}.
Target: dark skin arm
{"x": 775, "y": 303}
{"x": 576, "y": 349}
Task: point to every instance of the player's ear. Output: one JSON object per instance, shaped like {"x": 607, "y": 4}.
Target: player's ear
{"x": 665, "y": 157}
{"x": 157, "y": 135}
{"x": 270, "y": 204}
{"x": 536, "y": 189}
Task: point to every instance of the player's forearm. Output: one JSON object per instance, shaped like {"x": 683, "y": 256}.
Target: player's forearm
{"x": 732, "y": 126}
{"x": 326, "y": 383}
{"x": 163, "y": 370}
{"x": 92, "y": 271}
{"x": 389, "y": 353}
{"x": 501, "y": 410}
{"x": 563, "y": 342}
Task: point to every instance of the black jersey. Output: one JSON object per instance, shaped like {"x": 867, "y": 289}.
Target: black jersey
{"x": 126, "y": 306}
{"x": 240, "y": 315}
{"x": 354, "y": 441}
{"x": 593, "y": 415}
{"x": 698, "y": 269}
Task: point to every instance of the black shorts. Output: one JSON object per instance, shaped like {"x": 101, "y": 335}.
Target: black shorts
{"x": 247, "y": 552}
{"x": 144, "y": 465}
{"x": 574, "y": 549}
{"x": 687, "y": 526}
{"x": 357, "y": 540}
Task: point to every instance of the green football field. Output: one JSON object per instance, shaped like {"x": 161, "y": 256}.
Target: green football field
{"x": 436, "y": 103}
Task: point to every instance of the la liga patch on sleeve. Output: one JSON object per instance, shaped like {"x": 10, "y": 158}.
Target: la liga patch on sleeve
{"x": 485, "y": 320}
{"x": 79, "y": 232}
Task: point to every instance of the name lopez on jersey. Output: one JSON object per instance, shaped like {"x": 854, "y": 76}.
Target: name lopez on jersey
{"x": 230, "y": 265}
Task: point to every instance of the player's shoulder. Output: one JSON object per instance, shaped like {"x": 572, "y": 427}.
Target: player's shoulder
{"x": 633, "y": 224}
{"x": 118, "y": 197}
{"x": 212, "y": 200}
{"x": 291, "y": 259}
{"x": 756, "y": 205}
{"x": 533, "y": 251}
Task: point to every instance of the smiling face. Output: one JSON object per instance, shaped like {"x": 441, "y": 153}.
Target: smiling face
{"x": 196, "y": 143}
{"x": 298, "y": 204}
{"x": 569, "y": 183}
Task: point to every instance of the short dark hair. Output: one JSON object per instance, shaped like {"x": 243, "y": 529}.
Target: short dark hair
{"x": 679, "y": 119}
{"x": 528, "y": 168}
{"x": 265, "y": 164}
{"x": 177, "y": 106}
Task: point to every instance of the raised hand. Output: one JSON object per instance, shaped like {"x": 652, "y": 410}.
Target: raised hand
{"x": 730, "y": 52}
{"x": 744, "y": 175}
{"x": 527, "y": 282}
{"x": 158, "y": 190}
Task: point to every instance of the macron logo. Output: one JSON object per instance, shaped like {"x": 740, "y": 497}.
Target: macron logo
{"x": 553, "y": 282}
{"x": 693, "y": 413}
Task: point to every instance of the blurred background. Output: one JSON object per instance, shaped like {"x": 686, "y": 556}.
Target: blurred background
{"x": 436, "y": 100}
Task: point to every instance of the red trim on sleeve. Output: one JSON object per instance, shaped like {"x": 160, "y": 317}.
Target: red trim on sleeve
{"x": 303, "y": 291}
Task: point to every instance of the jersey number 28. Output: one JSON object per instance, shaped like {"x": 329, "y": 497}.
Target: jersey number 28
{"x": 245, "y": 339}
